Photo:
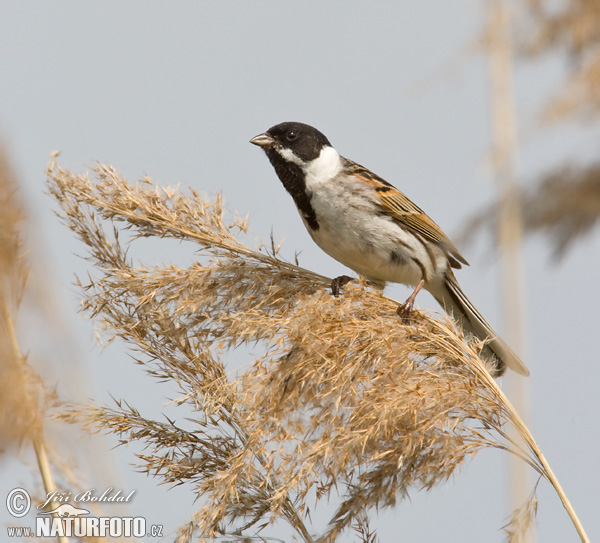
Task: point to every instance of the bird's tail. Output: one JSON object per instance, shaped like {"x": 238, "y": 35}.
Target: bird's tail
{"x": 454, "y": 301}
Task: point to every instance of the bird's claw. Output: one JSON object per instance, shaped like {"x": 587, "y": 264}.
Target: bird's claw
{"x": 338, "y": 283}
{"x": 405, "y": 310}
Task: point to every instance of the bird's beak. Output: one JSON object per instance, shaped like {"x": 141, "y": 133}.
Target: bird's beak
{"x": 263, "y": 140}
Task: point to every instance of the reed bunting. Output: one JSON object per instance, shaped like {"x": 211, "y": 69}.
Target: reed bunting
{"x": 369, "y": 226}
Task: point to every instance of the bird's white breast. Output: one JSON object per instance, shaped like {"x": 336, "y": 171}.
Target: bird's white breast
{"x": 353, "y": 230}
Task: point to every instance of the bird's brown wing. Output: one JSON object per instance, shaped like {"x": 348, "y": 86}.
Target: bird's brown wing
{"x": 406, "y": 213}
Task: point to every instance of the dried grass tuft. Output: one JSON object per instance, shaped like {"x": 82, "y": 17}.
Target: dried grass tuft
{"x": 344, "y": 400}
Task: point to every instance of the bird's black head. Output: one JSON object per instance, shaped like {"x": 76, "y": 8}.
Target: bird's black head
{"x": 304, "y": 141}
{"x": 291, "y": 147}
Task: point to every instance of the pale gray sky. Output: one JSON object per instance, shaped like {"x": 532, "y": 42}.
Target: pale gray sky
{"x": 175, "y": 91}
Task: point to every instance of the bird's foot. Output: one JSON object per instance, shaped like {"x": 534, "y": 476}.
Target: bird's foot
{"x": 338, "y": 283}
{"x": 405, "y": 310}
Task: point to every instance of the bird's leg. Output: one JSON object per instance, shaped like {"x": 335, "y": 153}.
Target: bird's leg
{"x": 337, "y": 283}
{"x": 404, "y": 310}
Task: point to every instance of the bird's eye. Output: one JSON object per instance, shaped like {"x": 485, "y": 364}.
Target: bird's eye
{"x": 291, "y": 135}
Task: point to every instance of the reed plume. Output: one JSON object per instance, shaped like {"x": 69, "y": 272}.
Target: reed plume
{"x": 343, "y": 400}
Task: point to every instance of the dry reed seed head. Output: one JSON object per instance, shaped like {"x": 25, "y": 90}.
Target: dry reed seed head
{"x": 574, "y": 29}
{"x": 21, "y": 390}
{"x": 21, "y": 397}
{"x": 564, "y": 205}
{"x": 13, "y": 268}
{"x": 573, "y": 25}
{"x": 374, "y": 404}
{"x": 342, "y": 398}
{"x": 522, "y": 519}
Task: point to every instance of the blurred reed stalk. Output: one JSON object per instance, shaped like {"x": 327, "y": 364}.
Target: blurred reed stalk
{"x": 509, "y": 224}
{"x": 341, "y": 400}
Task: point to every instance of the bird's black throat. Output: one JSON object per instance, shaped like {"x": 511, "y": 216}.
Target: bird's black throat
{"x": 292, "y": 178}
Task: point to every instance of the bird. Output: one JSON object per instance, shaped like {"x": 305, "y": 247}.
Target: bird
{"x": 371, "y": 227}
